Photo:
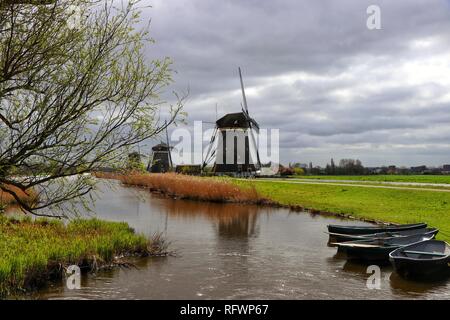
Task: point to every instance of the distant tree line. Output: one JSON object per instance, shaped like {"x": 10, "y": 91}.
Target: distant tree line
{"x": 345, "y": 167}
{"x": 355, "y": 167}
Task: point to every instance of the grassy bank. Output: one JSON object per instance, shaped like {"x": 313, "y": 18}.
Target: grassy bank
{"x": 190, "y": 187}
{"x": 31, "y": 253}
{"x": 390, "y": 205}
{"x": 386, "y": 178}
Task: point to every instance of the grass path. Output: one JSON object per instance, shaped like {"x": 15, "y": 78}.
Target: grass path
{"x": 399, "y": 185}
{"x": 440, "y": 179}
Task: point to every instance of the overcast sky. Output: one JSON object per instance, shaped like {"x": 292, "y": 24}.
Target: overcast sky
{"x": 314, "y": 70}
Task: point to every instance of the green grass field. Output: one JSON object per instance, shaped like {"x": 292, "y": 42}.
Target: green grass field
{"x": 386, "y": 178}
{"x": 389, "y": 205}
{"x": 33, "y": 252}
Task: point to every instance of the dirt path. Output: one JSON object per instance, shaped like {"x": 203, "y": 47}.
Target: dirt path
{"x": 395, "y": 183}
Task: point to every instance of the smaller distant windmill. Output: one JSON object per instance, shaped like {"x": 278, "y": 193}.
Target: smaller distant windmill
{"x": 161, "y": 159}
{"x": 233, "y": 157}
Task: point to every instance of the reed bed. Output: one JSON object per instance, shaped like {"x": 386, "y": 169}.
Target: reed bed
{"x": 34, "y": 252}
{"x": 107, "y": 175}
{"x": 7, "y": 199}
{"x": 191, "y": 187}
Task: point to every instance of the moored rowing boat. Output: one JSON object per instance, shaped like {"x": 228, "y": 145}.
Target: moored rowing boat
{"x": 425, "y": 259}
{"x": 337, "y": 237}
{"x": 355, "y": 230}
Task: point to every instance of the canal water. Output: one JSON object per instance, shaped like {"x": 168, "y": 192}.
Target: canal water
{"x": 229, "y": 251}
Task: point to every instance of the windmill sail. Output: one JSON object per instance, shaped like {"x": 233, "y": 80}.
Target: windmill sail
{"x": 168, "y": 145}
{"x": 208, "y": 156}
{"x": 244, "y": 98}
{"x": 251, "y": 122}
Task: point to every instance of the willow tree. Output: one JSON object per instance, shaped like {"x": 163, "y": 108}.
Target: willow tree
{"x": 76, "y": 94}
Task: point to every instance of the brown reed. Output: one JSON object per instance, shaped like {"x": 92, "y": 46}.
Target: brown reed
{"x": 189, "y": 187}
{"x": 6, "y": 198}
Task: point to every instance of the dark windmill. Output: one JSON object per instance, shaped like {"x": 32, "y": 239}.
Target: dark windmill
{"x": 233, "y": 133}
{"x": 161, "y": 159}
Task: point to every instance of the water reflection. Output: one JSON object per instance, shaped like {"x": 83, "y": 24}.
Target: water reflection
{"x": 417, "y": 288}
{"x": 234, "y": 225}
{"x": 243, "y": 225}
{"x": 230, "y": 220}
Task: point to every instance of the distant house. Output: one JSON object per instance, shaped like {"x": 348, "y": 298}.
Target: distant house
{"x": 418, "y": 169}
{"x": 433, "y": 170}
{"x": 446, "y": 169}
{"x": 392, "y": 170}
{"x": 374, "y": 170}
{"x": 403, "y": 170}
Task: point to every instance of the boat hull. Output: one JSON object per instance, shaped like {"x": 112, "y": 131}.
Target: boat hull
{"x": 355, "y": 230}
{"x": 335, "y": 238}
{"x": 380, "y": 254}
{"x": 421, "y": 269}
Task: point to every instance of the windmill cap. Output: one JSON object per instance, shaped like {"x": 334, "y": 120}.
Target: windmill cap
{"x": 235, "y": 120}
{"x": 161, "y": 147}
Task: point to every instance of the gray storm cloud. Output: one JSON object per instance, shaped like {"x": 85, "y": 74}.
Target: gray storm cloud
{"x": 314, "y": 70}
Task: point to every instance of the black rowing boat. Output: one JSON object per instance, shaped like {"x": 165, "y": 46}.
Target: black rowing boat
{"x": 378, "y": 249}
{"x": 333, "y": 228}
{"x": 427, "y": 259}
{"x": 337, "y": 237}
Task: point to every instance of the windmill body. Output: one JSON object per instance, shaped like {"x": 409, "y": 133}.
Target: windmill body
{"x": 235, "y": 141}
{"x": 233, "y": 154}
{"x": 160, "y": 160}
